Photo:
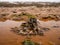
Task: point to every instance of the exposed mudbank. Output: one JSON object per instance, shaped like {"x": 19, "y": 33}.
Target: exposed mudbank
{"x": 15, "y": 19}
{"x": 23, "y": 13}
{"x": 25, "y": 16}
{"x": 50, "y": 36}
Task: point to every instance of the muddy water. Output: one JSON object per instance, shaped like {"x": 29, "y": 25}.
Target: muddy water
{"x": 9, "y": 38}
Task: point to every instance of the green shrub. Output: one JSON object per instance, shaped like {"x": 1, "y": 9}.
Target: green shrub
{"x": 29, "y": 42}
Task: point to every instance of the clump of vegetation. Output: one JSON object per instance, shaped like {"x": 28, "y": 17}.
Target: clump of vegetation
{"x": 51, "y": 17}
{"x": 29, "y": 42}
{"x": 27, "y": 14}
{"x": 3, "y": 17}
{"x": 22, "y": 16}
{"x": 56, "y": 26}
{"x": 14, "y": 11}
{"x": 30, "y": 28}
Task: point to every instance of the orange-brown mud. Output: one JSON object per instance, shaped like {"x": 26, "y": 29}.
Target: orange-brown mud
{"x": 50, "y": 37}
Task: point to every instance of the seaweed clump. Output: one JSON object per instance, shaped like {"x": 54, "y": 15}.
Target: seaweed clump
{"x": 30, "y": 27}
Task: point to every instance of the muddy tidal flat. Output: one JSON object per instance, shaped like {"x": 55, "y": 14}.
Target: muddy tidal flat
{"x": 49, "y": 17}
